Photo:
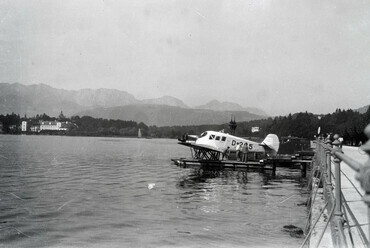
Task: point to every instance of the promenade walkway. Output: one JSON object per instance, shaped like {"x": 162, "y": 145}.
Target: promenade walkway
{"x": 353, "y": 192}
{"x": 322, "y": 234}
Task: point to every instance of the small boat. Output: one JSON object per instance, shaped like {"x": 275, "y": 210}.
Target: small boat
{"x": 139, "y": 133}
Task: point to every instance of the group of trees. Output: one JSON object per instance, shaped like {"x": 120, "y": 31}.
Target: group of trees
{"x": 84, "y": 126}
{"x": 347, "y": 123}
{"x": 10, "y": 123}
{"x": 89, "y": 126}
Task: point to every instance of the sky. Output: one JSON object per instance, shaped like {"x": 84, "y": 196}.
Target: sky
{"x": 282, "y": 56}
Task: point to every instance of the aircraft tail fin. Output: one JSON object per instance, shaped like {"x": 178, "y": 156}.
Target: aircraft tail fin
{"x": 272, "y": 143}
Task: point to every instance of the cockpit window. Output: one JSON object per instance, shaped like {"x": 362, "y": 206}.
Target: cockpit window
{"x": 223, "y": 138}
{"x": 218, "y": 137}
{"x": 203, "y": 134}
{"x": 211, "y": 137}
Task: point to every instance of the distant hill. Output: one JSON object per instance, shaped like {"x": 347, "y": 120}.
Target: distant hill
{"x": 166, "y": 100}
{"x": 162, "y": 115}
{"x": 115, "y": 104}
{"x": 36, "y": 99}
{"x": 102, "y": 97}
{"x": 229, "y": 106}
{"x": 41, "y": 98}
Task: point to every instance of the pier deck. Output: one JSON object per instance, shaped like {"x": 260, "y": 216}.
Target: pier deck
{"x": 221, "y": 164}
{"x": 269, "y": 164}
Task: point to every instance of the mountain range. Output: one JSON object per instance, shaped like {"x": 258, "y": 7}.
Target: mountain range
{"x": 229, "y": 106}
{"x": 116, "y": 104}
{"x": 363, "y": 109}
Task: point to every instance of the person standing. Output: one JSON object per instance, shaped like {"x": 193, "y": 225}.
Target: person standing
{"x": 237, "y": 154}
{"x": 341, "y": 141}
{"x": 226, "y": 153}
{"x": 245, "y": 152}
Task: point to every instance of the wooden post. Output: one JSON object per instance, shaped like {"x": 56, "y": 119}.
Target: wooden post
{"x": 262, "y": 164}
{"x": 303, "y": 169}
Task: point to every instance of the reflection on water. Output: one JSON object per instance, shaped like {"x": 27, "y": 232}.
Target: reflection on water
{"x": 113, "y": 192}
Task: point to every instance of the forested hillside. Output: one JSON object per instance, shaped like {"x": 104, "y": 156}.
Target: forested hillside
{"x": 347, "y": 123}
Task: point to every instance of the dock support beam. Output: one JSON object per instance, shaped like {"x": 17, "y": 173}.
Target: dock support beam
{"x": 303, "y": 170}
{"x": 274, "y": 167}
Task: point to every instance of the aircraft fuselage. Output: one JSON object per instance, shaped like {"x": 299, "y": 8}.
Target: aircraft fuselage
{"x": 220, "y": 141}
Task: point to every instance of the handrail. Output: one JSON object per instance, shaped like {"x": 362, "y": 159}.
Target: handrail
{"x": 356, "y": 166}
{"x": 326, "y": 155}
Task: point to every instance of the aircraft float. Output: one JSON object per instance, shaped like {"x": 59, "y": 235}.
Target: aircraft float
{"x": 211, "y": 144}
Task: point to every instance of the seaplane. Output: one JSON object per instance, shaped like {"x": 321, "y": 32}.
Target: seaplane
{"x": 210, "y": 145}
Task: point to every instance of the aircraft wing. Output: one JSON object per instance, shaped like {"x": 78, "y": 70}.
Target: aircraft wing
{"x": 204, "y": 147}
{"x": 186, "y": 143}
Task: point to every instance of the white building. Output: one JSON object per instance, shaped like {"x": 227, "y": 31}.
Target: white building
{"x": 255, "y": 129}
{"x": 24, "y": 126}
{"x": 53, "y": 126}
{"x": 50, "y": 125}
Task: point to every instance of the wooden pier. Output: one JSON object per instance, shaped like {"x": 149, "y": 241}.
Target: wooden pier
{"x": 269, "y": 164}
{"x": 221, "y": 164}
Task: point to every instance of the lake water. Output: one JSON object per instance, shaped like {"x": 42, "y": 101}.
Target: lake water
{"x": 58, "y": 191}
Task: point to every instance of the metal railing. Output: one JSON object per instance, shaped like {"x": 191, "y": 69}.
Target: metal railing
{"x": 330, "y": 156}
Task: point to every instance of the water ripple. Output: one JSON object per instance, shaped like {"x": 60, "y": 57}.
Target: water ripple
{"x": 94, "y": 192}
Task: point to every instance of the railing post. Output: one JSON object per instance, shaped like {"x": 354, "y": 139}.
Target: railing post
{"x": 324, "y": 169}
{"x": 328, "y": 162}
{"x": 329, "y": 186}
{"x": 321, "y": 153}
{"x": 317, "y": 150}
{"x": 338, "y": 214}
{"x": 364, "y": 175}
{"x": 322, "y": 157}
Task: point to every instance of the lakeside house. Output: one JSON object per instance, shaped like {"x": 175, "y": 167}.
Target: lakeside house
{"x": 46, "y": 126}
{"x": 24, "y": 126}
{"x": 51, "y": 126}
